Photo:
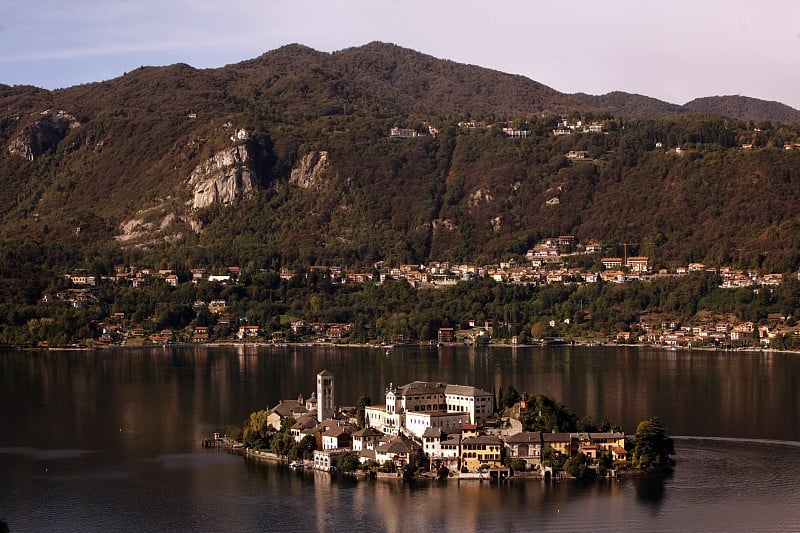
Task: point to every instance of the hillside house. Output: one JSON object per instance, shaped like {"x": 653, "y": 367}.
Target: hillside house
{"x": 247, "y": 331}
{"x": 81, "y": 279}
{"x": 577, "y": 154}
{"x": 511, "y": 132}
{"x": 638, "y": 264}
{"x": 402, "y": 133}
{"x": 216, "y": 306}
{"x": 446, "y": 335}
{"x": 200, "y": 334}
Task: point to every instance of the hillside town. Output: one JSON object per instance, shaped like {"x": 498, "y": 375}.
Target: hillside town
{"x": 437, "y": 427}
{"x": 544, "y": 264}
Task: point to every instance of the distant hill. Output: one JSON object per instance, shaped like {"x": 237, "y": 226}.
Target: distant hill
{"x": 744, "y": 108}
{"x": 287, "y": 159}
{"x": 625, "y": 104}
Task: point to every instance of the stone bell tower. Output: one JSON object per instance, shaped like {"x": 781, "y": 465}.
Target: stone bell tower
{"x": 324, "y": 395}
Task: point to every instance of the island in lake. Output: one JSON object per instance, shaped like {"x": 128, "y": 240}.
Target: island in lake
{"x": 440, "y": 430}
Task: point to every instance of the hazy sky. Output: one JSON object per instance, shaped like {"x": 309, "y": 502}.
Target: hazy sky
{"x": 675, "y": 51}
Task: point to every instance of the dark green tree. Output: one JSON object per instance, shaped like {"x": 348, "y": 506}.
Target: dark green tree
{"x": 282, "y": 443}
{"x": 517, "y": 464}
{"x": 287, "y": 423}
{"x": 348, "y": 461}
{"x": 256, "y": 433}
{"x": 306, "y": 447}
{"x": 652, "y": 446}
{"x": 576, "y": 466}
{"x": 361, "y": 405}
{"x": 508, "y": 396}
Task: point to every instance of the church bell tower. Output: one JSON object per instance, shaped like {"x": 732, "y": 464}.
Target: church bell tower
{"x": 324, "y": 395}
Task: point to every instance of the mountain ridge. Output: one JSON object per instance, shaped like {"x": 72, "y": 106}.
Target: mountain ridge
{"x": 120, "y": 180}
{"x": 529, "y": 95}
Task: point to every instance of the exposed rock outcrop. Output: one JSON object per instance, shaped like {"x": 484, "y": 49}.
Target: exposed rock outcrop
{"x": 224, "y": 178}
{"x": 42, "y": 135}
{"x": 481, "y": 196}
{"x": 150, "y": 226}
{"x": 311, "y": 170}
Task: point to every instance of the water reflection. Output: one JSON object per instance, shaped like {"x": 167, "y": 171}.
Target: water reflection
{"x": 651, "y": 491}
{"x": 109, "y": 440}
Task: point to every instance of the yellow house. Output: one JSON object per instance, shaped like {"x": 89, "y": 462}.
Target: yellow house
{"x": 562, "y": 443}
{"x": 595, "y": 445}
{"x": 604, "y": 441}
{"x": 480, "y": 450}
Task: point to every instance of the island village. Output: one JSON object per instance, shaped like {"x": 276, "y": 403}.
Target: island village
{"x": 443, "y": 429}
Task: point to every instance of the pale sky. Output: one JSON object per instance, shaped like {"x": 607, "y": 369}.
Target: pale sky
{"x": 675, "y": 51}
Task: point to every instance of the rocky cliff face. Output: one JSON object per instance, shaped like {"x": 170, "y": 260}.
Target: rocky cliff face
{"x": 224, "y": 178}
{"x": 310, "y": 171}
{"x": 42, "y": 135}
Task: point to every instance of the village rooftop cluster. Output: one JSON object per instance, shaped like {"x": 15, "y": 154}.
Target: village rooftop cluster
{"x": 542, "y": 265}
{"x": 435, "y": 424}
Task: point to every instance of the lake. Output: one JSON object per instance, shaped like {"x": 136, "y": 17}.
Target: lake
{"x": 110, "y": 440}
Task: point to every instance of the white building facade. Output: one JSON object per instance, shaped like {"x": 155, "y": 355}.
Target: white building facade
{"x": 423, "y": 404}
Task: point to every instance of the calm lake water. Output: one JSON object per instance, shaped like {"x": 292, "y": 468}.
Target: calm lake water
{"x": 110, "y": 441}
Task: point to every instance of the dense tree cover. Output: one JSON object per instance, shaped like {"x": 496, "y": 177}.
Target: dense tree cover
{"x": 652, "y": 446}
{"x": 545, "y": 414}
{"x": 518, "y": 464}
{"x": 577, "y": 467}
{"x": 508, "y": 397}
{"x": 256, "y": 434}
{"x": 394, "y": 310}
{"x": 348, "y": 461}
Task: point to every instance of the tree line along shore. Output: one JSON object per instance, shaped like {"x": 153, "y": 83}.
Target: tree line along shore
{"x": 261, "y": 307}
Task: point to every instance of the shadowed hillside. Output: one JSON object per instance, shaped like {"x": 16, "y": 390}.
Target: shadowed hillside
{"x": 287, "y": 159}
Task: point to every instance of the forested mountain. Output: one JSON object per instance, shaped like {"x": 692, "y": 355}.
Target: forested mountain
{"x": 287, "y": 159}
{"x": 744, "y": 108}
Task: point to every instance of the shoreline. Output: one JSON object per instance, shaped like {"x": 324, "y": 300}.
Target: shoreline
{"x": 307, "y": 465}
{"x": 256, "y": 345}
